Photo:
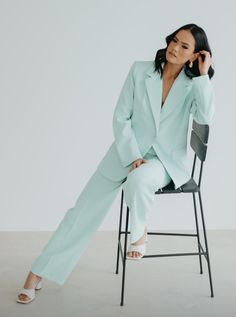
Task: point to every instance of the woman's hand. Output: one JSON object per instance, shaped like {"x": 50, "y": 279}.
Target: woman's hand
{"x": 204, "y": 65}
{"x": 137, "y": 163}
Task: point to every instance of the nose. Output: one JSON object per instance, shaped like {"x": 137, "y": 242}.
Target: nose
{"x": 175, "y": 48}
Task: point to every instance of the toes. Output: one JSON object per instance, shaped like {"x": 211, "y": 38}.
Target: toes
{"x": 137, "y": 254}
{"x": 23, "y": 297}
{"x": 134, "y": 254}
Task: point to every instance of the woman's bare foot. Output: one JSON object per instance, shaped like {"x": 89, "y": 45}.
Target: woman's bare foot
{"x": 31, "y": 282}
{"x": 142, "y": 240}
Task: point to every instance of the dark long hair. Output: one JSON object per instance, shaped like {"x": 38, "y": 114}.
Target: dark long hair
{"x": 201, "y": 43}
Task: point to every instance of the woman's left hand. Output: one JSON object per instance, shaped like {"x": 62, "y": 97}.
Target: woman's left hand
{"x": 204, "y": 65}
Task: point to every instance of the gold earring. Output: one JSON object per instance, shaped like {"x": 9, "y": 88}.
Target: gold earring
{"x": 191, "y": 64}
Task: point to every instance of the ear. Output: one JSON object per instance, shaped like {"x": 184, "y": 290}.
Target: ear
{"x": 194, "y": 56}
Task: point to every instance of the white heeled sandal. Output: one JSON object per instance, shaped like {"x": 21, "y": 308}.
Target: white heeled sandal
{"x": 30, "y": 292}
{"x": 137, "y": 248}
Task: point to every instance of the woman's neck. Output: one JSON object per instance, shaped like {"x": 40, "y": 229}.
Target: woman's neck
{"x": 171, "y": 71}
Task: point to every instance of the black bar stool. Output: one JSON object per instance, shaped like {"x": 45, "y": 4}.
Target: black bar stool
{"x": 198, "y": 142}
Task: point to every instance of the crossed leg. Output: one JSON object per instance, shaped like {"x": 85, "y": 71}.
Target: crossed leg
{"x": 139, "y": 192}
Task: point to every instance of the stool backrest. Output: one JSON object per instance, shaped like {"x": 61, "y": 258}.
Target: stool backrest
{"x": 199, "y": 139}
{"x": 198, "y": 142}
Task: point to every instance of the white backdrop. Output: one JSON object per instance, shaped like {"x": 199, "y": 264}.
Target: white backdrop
{"x": 62, "y": 67}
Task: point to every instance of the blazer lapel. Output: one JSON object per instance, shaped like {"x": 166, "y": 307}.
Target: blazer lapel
{"x": 153, "y": 87}
{"x": 176, "y": 94}
{"x": 175, "y": 97}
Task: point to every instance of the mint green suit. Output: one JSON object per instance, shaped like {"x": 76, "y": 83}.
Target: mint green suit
{"x": 142, "y": 129}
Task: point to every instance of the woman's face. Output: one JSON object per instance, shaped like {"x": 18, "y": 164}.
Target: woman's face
{"x": 181, "y": 48}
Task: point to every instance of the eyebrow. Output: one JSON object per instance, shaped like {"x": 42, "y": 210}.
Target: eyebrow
{"x": 181, "y": 42}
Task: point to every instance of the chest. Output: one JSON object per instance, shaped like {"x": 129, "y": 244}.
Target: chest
{"x": 166, "y": 86}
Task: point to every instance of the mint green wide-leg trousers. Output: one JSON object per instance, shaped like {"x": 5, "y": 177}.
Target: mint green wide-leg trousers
{"x": 69, "y": 241}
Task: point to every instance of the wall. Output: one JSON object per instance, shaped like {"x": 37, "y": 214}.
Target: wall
{"x": 62, "y": 67}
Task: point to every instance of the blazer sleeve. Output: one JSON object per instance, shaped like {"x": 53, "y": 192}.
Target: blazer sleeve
{"x": 203, "y": 102}
{"x": 125, "y": 140}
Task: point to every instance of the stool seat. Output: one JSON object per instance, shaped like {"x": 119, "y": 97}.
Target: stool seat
{"x": 189, "y": 187}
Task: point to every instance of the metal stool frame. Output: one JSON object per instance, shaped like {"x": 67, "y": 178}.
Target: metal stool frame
{"x": 198, "y": 142}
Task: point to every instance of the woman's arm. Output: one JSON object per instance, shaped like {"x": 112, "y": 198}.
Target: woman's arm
{"x": 125, "y": 140}
{"x": 203, "y": 100}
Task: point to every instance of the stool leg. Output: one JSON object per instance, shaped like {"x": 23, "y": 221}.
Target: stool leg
{"x": 119, "y": 233}
{"x": 124, "y": 257}
{"x": 207, "y": 251}
{"x": 198, "y": 237}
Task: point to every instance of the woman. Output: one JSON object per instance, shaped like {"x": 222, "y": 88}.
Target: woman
{"x": 150, "y": 125}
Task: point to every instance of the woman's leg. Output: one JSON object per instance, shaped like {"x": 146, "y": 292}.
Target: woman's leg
{"x": 76, "y": 229}
{"x": 139, "y": 192}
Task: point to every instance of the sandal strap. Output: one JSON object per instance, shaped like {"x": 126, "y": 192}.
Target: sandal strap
{"x": 39, "y": 285}
{"x": 29, "y": 292}
{"x": 137, "y": 248}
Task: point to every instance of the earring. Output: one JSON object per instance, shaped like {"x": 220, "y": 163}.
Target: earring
{"x": 191, "y": 64}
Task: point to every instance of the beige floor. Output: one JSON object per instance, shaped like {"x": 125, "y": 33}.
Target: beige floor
{"x": 164, "y": 287}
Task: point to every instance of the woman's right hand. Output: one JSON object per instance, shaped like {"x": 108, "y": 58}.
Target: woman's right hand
{"x": 137, "y": 163}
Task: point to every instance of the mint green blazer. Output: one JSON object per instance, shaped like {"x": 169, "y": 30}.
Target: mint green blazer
{"x": 140, "y": 122}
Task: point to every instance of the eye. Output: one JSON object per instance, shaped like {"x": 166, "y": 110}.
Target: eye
{"x": 185, "y": 47}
